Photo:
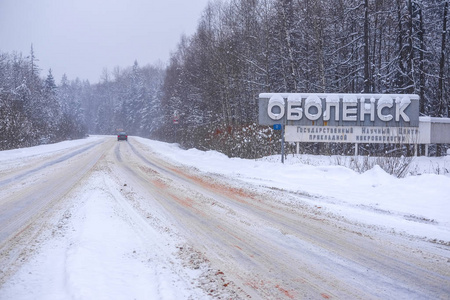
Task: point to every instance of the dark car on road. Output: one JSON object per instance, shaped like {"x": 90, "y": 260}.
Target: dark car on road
{"x": 122, "y": 136}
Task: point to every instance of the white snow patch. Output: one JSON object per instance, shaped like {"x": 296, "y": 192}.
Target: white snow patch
{"x": 103, "y": 251}
{"x": 417, "y": 205}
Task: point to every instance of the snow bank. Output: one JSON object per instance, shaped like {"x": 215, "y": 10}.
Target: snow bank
{"x": 417, "y": 205}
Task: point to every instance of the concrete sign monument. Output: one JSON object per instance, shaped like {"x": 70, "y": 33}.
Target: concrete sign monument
{"x": 350, "y": 118}
{"x": 383, "y": 110}
{"x": 343, "y": 118}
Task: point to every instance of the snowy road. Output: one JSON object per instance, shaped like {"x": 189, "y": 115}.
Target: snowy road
{"x": 115, "y": 220}
{"x": 39, "y": 182}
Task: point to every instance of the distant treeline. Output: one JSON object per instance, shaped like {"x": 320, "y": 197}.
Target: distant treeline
{"x": 33, "y": 110}
{"x": 240, "y": 49}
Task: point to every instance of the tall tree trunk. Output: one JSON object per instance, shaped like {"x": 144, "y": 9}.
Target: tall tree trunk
{"x": 287, "y": 11}
{"x": 421, "y": 63}
{"x": 443, "y": 105}
{"x": 409, "y": 55}
{"x": 366, "y": 48}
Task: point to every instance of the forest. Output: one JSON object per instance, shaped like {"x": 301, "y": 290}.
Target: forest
{"x": 206, "y": 95}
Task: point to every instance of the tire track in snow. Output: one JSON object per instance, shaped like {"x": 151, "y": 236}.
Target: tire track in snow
{"x": 23, "y": 202}
{"x": 33, "y": 171}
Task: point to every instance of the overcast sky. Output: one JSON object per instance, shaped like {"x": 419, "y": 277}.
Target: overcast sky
{"x": 82, "y": 37}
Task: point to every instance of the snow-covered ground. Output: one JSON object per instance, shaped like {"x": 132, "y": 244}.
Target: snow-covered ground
{"x": 374, "y": 197}
{"x": 72, "y": 260}
{"x": 98, "y": 251}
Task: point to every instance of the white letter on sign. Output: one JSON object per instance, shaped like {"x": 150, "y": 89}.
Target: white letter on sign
{"x": 349, "y": 111}
{"x": 349, "y": 108}
{"x": 313, "y": 101}
{"x": 400, "y": 106}
{"x": 276, "y": 103}
{"x": 331, "y": 100}
{"x": 367, "y": 108}
{"x": 294, "y": 109}
{"x": 384, "y": 102}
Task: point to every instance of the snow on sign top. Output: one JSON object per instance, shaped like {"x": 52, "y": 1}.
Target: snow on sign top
{"x": 388, "y": 110}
